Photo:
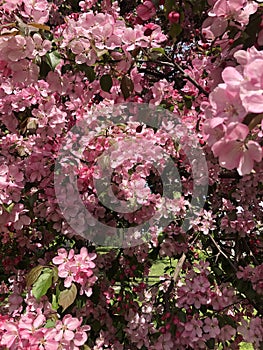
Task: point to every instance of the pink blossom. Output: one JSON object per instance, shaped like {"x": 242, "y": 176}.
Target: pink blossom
{"x": 41, "y": 46}
{"x": 211, "y": 327}
{"x": 66, "y": 327}
{"x": 16, "y": 48}
{"x": 146, "y": 10}
{"x": 235, "y": 154}
{"x": 43, "y": 339}
{"x": 239, "y": 10}
{"x": 252, "y": 330}
{"x": 25, "y": 71}
{"x": 226, "y": 102}
{"x": 29, "y": 324}
{"x": 11, "y": 5}
{"x": 38, "y": 10}
{"x": 11, "y": 336}
{"x": 227, "y": 332}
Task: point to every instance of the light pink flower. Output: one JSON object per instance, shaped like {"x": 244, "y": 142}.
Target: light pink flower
{"x": 65, "y": 328}
{"x": 236, "y": 154}
{"x": 38, "y": 10}
{"x": 10, "y": 336}
{"x": 146, "y": 10}
{"x": 211, "y": 327}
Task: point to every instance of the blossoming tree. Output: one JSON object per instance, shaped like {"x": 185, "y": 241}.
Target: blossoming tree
{"x": 63, "y": 63}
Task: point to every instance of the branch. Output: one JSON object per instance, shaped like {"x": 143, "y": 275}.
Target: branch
{"x": 181, "y": 70}
{"x": 154, "y": 73}
{"x": 193, "y": 81}
{"x": 230, "y": 175}
{"x": 179, "y": 267}
{"x": 251, "y": 253}
{"x": 181, "y": 262}
{"x": 255, "y": 121}
{"x": 221, "y": 252}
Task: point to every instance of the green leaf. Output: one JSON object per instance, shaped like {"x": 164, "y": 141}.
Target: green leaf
{"x": 33, "y": 275}
{"x": 9, "y": 207}
{"x": 55, "y": 274}
{"x": 180, "y": 105}
{"x": 106, "y": 82}
{"x": 53, "y": 58}
{"x": 54, "y": 304}
{"x": 188, "y": 104}
{"x": 157, "y": 52}
{"x": 50, "y": 324}
{"x": 42, "y": 284}
{"x": 158, "y": 49}
{"x": 126, "y": 86}
{"x": 86, "y": 347}
{"x": 67, "y": 297}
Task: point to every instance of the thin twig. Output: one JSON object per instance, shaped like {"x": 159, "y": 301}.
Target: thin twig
{"x": 251, "y": 253}
{"x": 221, "y": 252}
{"x": 193, "y": 81}
{"x": 181, "y": 70}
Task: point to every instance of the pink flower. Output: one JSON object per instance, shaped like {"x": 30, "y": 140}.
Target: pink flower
{"x": 193, "y": 330}
{"x": 41, "y": 46}
{"x": 226, "y": 333}
{"x": 65, "y": 328}
{"x": 76, "y": 268}
{"x": 3, "y": 175}
{"x": 146, "y": 10}
{"x": 84, "y": 259}
{"x": 174, "y": 17}
{"x": 29, "y": 323}
{"x": 81, "y": 337}
{"x": 236, "y": 154}
{"x": 16, "y": 48}
{"x": 11, "y": 5}
{"x": 63, "y": 256}
{"x": 214, "y": 130}
{"x": 226, "y": 102}
{"x": 238, "y": 10}
{"x": 43, "y": 339}
{"x": 211, "y": 327}
{"x": 25, "y": 71}
{"x": 214, "y": 27}
{"x": 252, "y": 90}
{"x": 136, "y": 78}
{"x": 38, "y": 10}
{"x": 224, "y": 11}
{"x": 252, "y": 331}
{"x": 10, "y": 336}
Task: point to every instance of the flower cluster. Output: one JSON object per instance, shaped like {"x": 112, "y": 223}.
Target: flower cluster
{"x": 254, "y": 275}
{"x": 76, "y": 268}
{"x": 225, "y": 13}
{"x": 232, "y": 140}
{"x": 34, "y": 331}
